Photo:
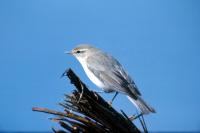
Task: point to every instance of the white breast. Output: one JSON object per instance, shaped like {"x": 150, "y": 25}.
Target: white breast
{"x": 90, "y": 75}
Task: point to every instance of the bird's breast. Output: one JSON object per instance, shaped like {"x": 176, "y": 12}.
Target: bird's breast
{"x": 91, "y": 76}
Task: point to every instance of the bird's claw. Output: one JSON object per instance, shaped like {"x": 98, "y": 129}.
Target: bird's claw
{"x": 133, "y": 117}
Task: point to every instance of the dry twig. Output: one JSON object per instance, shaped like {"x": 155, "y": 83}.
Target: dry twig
{"x": 87, "y": 112}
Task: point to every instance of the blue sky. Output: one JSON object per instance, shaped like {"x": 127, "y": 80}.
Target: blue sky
{"x": 158, "y": 42}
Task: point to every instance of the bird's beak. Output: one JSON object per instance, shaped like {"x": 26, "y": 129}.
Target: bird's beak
{"x": 68, "y": 52}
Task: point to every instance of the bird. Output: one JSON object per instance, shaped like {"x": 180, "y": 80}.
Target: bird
{"x": 108, "y": 74}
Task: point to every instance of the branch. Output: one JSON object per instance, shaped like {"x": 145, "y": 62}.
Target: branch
{"x": 86, "y": 111}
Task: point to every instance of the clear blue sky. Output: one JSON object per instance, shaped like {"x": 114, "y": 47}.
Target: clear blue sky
{"x": 157, "y": 41}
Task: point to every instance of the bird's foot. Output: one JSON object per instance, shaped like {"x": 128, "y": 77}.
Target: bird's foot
{"x": 110, "y": 102}
{"x": 141, "y": 119}
{"x": 133, "y": 117}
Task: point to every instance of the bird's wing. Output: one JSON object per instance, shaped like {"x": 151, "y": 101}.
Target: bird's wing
{"x": 111, "y": 73}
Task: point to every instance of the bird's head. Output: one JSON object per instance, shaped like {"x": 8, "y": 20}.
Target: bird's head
{"x": 82, "y": 51}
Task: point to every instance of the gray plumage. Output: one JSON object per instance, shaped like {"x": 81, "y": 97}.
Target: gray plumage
{"x": 110, "y": 73}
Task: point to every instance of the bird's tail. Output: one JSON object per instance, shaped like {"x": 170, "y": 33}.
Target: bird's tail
{"x": 141, "y": 105}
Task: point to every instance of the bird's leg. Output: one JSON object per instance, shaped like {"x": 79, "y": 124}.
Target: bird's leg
{"x": 116, "y": 93}
{"x": 133, "y": 117}
{"x": 110, "y": 102}
{"x": 141, "y": 119}
{"x": 143, "y": 124}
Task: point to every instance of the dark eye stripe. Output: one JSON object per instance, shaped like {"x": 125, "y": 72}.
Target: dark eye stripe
{"x": 79, "y": 51}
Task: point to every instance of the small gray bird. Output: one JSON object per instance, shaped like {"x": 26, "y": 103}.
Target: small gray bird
{"x": 107, "y": 73}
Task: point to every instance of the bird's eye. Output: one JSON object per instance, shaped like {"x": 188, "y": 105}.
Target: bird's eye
{"x": 78, "y": 51}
